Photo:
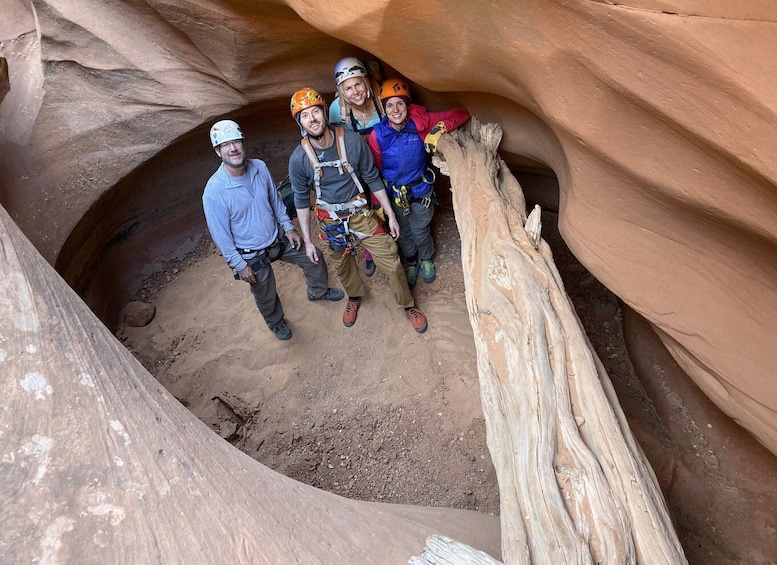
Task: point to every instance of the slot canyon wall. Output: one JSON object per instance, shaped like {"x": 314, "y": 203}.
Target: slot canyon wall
{"x": 657, "y": 118}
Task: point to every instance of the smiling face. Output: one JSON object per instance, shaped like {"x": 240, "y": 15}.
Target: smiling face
{"x": 354, "y": 91}
{"x": 313, "y": 121}
{"x": 233, "y": 155}
{"x": 396, "y": 111}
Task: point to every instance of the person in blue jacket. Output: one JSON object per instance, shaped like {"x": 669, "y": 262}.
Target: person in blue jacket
{"x": 248, "y": 222}
{"x": 401, "y": 144}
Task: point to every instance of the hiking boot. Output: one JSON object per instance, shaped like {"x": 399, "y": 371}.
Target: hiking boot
{"x": 412, "y": 275}
{"x": 417, "y": 319}
{"x": 427, "y": 271}
{"x": 351, "y": 310}
{"x": 331, "y": 294}
{"x": 282, "y": 331}
{"x": 369, "y": 267}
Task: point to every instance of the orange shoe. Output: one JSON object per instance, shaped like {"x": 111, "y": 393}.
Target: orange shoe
{"x": 351, "y": 311}
{"x": 417, "y": 319}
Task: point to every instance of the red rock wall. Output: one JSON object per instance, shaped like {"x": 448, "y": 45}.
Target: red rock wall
{"x": 658, "y": 119}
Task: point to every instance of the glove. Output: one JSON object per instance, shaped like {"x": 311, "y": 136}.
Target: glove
{"x": 433, "y": 137}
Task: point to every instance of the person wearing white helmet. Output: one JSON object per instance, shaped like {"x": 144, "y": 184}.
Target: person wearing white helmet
{"x": 357, "y": 107}
{"x": 248, "y": 222}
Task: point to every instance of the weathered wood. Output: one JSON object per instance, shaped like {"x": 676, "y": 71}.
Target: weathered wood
{"x": 574, "y": 485}
{"x": 440, "y": 550}
{"x": 99, "y": 464}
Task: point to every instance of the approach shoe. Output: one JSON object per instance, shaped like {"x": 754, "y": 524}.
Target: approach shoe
{"x": 427, "y": 271}
{"x": 351, "y": 310}
{"x": 369, "y": 267}
{"x": 417, "y": 319}
{"x": 412, "y": 275}
{"x": 282, "y": 331}
{"x": 331, "y": 294}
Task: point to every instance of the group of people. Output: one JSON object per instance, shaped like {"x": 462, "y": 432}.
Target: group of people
{"x": 365, "y": 158}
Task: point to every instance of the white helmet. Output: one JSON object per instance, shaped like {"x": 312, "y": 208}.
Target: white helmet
{"x": 225, "y": 130}
{"x": 349, "y": 67}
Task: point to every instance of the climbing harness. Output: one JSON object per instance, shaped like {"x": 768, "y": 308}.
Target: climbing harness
{"x": 343, "y": 166}
{"x": 334, "y": 219}
{"x": 265, "y": 256}
{"x": 401, "y": 198}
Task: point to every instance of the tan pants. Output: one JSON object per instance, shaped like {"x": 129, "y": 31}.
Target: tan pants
{"x": 384, "y": 252}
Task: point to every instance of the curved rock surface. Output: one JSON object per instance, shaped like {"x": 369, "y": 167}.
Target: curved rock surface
{"x": 657, "y": 117}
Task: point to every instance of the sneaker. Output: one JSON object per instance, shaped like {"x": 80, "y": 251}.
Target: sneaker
{"x": 417, "y": 319}
{"x": 412, "y": 275}
{"x": 331, "y": 294}
{"x": 351, "y": 310}
{"x": 369, "y": 267}
{"x": 282, "y": 331}
{"x": 427, "y": 271}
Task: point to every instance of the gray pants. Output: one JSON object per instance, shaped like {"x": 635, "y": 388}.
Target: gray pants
{"x": 265, "y": 292}
{"x": 415, "y": 231}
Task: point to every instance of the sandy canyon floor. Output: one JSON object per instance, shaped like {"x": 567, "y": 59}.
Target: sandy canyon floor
{"x": 375, "y": 412}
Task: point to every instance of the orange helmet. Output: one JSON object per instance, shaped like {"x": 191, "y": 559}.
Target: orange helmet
{"x": 305, "y": 98}
{"x": 394, "y": 87}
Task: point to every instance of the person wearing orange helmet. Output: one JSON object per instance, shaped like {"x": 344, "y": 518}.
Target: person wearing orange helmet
{"x": 248, "y": 222}
{"x": 333, "y": 163}
{"x": 401, "y": 144}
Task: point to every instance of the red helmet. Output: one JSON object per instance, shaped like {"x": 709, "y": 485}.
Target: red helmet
{"x": 394, "y": 87}
{"x": 305, "y": 98}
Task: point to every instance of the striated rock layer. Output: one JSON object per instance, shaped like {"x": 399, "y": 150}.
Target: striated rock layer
{"x": 657, "y": 118}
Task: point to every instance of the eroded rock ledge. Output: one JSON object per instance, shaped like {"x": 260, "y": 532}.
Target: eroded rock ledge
{"x": 657, "y": 118}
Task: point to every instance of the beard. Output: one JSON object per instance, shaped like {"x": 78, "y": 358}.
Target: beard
{"x": 232, "y": 165}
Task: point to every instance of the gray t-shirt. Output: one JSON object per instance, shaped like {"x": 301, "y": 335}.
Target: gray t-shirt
{"x": 336, "y": 188}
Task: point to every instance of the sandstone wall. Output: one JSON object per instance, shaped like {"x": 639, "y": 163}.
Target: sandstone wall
{"x": 658, "y": 119}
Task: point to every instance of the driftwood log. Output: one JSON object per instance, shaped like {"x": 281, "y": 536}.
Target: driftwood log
{"x": 574, "y": 485}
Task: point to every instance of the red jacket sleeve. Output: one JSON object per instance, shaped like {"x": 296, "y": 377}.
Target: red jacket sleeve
{"x": 376, "y": 152}
{"x": 425, "y": 120}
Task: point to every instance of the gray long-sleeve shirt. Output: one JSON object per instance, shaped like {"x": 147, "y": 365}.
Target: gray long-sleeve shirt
{"x": 243, "y": 212}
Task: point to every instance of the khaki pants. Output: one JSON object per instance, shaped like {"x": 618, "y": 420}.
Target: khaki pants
{"x": 384, "y": 252}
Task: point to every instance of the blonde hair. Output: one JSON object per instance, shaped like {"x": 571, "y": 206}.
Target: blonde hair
{"x": 372, "y": 86}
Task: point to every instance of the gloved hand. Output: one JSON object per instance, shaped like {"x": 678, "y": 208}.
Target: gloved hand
{"x": 433, "y": 137}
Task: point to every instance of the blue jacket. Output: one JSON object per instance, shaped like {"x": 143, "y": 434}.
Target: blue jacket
{"x": 404, "y": 158}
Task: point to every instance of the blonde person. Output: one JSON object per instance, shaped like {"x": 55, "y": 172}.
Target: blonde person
{"x": 357, "y": 108}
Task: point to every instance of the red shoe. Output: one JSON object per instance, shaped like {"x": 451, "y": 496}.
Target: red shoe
{"x": 351, "y": 310}
{"x": 417, "y": 319}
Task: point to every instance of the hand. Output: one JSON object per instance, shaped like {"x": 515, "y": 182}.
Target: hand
{"x": 311, "y": 252}
{"x": 247, "y": 275}
{"x": 294, "y": 239}
{"x": 433, "y": 137}
{"x": 393, "y": 227}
